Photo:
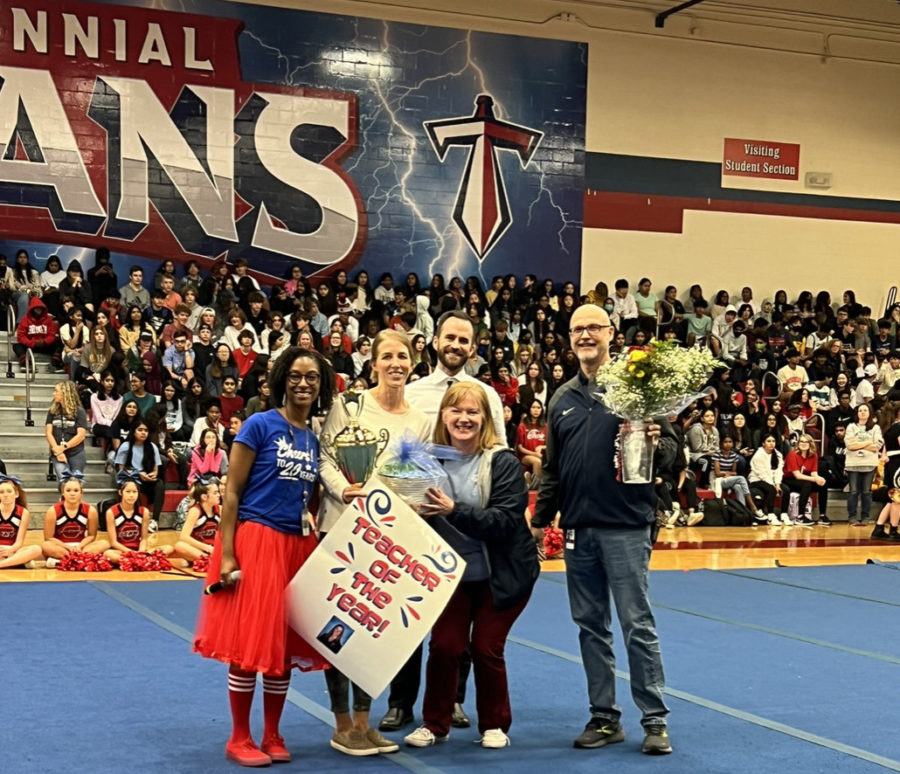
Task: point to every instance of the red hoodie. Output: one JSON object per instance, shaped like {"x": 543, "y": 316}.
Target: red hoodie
{"x": 37, "y": 328}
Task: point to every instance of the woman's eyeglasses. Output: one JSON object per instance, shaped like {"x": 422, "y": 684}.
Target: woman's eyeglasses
{"x": 310, "y": 378}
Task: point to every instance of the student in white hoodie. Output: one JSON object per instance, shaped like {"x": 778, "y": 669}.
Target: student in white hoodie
{"x": 766, "y": 471}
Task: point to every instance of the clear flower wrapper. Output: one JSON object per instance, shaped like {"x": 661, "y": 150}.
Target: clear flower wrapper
{"x": 658, "y": 380}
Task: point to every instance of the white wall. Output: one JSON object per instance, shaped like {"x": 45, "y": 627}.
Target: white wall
{"x": 680, "y": 99}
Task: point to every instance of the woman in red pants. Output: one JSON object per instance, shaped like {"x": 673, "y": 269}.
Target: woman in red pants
{"x": 482, "y": 516}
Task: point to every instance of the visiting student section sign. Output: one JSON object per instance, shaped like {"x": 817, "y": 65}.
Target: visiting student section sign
{"x": 373, "y": 588}
{"x": 761, "y": 158}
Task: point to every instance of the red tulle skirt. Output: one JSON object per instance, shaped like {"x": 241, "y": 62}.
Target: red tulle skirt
{"x": 247, "y": 625}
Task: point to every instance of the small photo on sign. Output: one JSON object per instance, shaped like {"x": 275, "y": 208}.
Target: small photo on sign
{"x": 335, "y": 635}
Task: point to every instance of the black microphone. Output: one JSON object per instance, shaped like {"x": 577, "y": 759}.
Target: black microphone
{"x": 215, "y": 588}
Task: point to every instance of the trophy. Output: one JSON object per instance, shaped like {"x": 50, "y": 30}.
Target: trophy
{"x": 356, "y": 447}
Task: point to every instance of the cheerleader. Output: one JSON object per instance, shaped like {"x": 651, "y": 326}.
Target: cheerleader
{"x": 14, "y": 517}
{"x": 202, "y": 523}
{"x": 71, "y": 525}
{"x": 138, "y": 458}
{"x": 265, "y": 535}
{"x": 128, "y": 523}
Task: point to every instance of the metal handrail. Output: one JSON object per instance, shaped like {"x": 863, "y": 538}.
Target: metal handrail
{"x": 30, "y": 376}
{"x": 891, "y": 299}
{"x": 10, "y": 332}
{"x": 762, "y": 382}
{"x": 821, "y": 422}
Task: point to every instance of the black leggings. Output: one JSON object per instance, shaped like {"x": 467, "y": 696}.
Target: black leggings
{"x": 702, "y": 467}
{"x": 763, "y": 495}
{"x": 668, "y": 494}
{"x": 804, "y": 489}
{"x": 155, "y": 492}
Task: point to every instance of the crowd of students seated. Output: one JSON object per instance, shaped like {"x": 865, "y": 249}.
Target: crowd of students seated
{"x": 165, "y": 368}
{"x": 805, "y": 400}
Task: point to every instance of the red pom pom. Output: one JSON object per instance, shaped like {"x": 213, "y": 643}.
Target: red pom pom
{"x": 201, "y": 564}
{"x": 144, "y": 561}
{"x": 81, "y": 561}
{"x": 553, "y": 542}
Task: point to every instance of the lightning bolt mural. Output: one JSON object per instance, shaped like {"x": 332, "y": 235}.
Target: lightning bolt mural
{"x": 394, "y": 157}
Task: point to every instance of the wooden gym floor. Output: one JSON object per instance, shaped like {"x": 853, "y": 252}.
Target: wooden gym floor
{"x": 682, "y": 548}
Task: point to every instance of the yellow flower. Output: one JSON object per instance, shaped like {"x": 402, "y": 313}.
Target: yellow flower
{"x": 640, "y": 374}
{"x": 637, "y": 354}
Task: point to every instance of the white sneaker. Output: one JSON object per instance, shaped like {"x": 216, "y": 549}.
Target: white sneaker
{"x": 672, "y": 519}
{"x": 786, "y": 520}
{"x": 717, "y": 489}
{"x": 35, "y": 564}
{"x": 694, "y": 518}
{"x": 494, "y": 739}
{"x": 773, "y": 519}
{"x": 153, "y": 526}
{"x": 52, "y": 562}
{"x": 423, "y": 737}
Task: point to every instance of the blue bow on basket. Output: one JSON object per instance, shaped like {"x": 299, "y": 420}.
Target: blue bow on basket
{"x": 12, "y": 479}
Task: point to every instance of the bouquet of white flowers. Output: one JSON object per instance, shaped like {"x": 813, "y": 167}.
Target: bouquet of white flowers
{"x": 644, "y": 382}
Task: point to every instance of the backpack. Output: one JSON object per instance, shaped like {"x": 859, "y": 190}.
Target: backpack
{"x": 181, "y": 512}
{"x": 737, "y": 514}
{"x": 714, "y": 513}
{"x": 102, "y": 507}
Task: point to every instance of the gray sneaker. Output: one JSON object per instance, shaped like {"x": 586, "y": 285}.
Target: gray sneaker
{"x": 599, "y": 732}
{"x": 383, "y": 744}
{"x": 656, "y": 740}
{"x": 353, "y": 742}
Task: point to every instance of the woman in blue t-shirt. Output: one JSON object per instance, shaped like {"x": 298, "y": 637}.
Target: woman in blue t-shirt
{"x": 264, "y": 533}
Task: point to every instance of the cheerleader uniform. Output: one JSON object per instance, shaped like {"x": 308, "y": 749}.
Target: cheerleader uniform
{"x": 246, "y": 626}
{"x": 207, "y": 526}
{"x": 128, "y": 528}
{"x": 71, "y": 530}
{"x": 9, "y": 526}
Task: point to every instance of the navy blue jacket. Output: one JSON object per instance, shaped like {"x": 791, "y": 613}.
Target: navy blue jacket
{"x": 579, "y": 474}
{"x": 511, "y": 554}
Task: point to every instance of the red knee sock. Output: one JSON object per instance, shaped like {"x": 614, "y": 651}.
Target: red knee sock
{"x": 240, "y": 696}
{"x": 275, "y": 689}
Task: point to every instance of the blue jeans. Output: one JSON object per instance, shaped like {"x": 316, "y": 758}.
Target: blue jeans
{"x": 615, "y": 561}
{"x": 860, "y": 491}
{"x": 22, "y": 301}
{"x": 76, "y": 459}
{"x": 739, "y": 485}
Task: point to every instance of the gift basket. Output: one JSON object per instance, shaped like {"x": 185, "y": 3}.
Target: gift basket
{"x": 411, "y": 466}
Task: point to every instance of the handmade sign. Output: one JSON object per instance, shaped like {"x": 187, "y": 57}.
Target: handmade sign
{"x": 373, "y": 588}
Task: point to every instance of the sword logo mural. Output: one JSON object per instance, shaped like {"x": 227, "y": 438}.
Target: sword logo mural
{"x": 482, "y": 206}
